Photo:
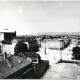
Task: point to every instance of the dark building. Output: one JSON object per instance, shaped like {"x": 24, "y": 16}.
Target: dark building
{"x": 7, "y": 35}
{"x": 33, "y": 56}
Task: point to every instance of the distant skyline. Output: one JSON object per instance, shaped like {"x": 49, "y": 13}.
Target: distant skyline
{"x": 28, "y": 17}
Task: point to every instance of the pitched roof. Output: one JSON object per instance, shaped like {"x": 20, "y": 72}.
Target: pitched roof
{"x": 12, "y": 65}
{"x": 52, "y": 40}
{"x": 14, "y": 41}
{"x": 7, "y": 31}
{"x": 18, "y": 38}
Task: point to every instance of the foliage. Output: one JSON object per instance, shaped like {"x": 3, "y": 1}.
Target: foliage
{"x": 31, "y": 39}
{"x": 20, "y": 48}
{"x": 76, "y": 50}
{"x": 33, "y": 45}
{"x": 6, "y": 42}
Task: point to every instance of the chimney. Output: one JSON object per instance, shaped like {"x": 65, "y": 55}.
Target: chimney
{"x": 5, "y": 55}
{"x": 19, "y": 60}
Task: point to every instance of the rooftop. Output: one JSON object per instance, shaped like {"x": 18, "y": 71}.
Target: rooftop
{"x": 12, "y": 65}
{"x": 52, "y": 40}
{"x": 7, "y": 31}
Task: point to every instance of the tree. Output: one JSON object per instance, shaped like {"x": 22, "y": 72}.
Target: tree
{"x": 31, "y": 39}
{"x": 76, "y": 52}
{"x": 34, "y": 47}
{"x": 33, "y": 44}
{"x": 6, "y": 41}
{"x": 20, "y": 48}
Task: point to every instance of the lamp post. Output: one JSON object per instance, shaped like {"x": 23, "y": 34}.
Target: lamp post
{"x": 60, "y": 51}
{"x": 45, "y": 48}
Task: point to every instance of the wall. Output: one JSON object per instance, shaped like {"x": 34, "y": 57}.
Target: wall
{"x": 56, "y": 44}
{"x": 1, "y": 36}
{"x": 8, "y": 48}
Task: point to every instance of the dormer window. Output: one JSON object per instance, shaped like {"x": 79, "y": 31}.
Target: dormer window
{"x": 9, "y": 65}
{"x": 19, "y": 60}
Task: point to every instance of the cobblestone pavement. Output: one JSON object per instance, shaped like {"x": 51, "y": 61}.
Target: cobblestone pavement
{"x": 63, "y": 71}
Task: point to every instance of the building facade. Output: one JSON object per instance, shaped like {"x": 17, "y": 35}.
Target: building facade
{"x": 5, "y": 37}
{"x": 8, "y": 48}
{"x": 51, "y": 43}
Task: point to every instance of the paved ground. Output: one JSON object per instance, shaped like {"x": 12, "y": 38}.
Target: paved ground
{"x": 63, "y": 71}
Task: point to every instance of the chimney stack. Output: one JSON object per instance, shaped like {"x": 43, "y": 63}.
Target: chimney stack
{"x": 5, "y": 55}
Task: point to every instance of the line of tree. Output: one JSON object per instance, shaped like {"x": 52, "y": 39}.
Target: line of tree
{"x": 21, "y": 47}
{"x": 33, "y": 44}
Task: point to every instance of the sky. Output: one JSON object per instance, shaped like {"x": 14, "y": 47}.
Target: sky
{"x": 27, "y": 17}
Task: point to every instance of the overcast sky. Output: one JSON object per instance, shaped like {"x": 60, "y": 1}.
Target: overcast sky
{"x": 42, "y": 16}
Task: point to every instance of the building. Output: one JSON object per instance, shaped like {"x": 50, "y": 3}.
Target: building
{"x": 52, "y": 43}
{"x": 16, "y": 67}
{"x": 7, "y": 35}
{"x": 8, "y": 48}
{"x": 33, "y": 56}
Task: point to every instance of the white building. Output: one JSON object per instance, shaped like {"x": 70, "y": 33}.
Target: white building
{"x": 53, "y": 44}
{"x": 9, "y": 48}
{"x": 6, "y": 35}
